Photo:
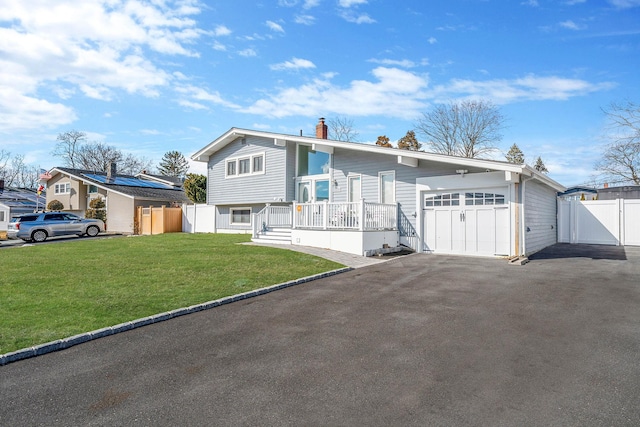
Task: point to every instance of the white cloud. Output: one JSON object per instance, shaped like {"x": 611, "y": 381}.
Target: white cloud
{"x": 294, "y": 64}
{"x": 275, "y": 27}
{"x": 304, "y": 19}
{"x": 350, "y": 3}
{"x": 219, "y": 46}
{"x": 98, "y": 47}
{"x": 394, "y": 93}
{"x": 625, "y": 4}
{"x": 574, "y": 2}
{"x": 357, "y": 18}
{"x": 570, "y": 25}
{"x": 403, "y": 94}
{"x": 432, "y": 40}
{"x": 199, "y": 94}
{"x": 248, "y": 53}
{"x": 532, "y": 3}
{"x": 404, "y": 63}
{"x": 529, "y": 88}
{"x": 221, "y": 30}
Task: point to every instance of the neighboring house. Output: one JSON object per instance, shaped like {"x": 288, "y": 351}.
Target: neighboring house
{"x": 579, "y": 193}
{"x": 16, "y": 201}
{"x": 122, "y": 194}
{"x": 623, "y": 192}
{"x": 359, "y": 198}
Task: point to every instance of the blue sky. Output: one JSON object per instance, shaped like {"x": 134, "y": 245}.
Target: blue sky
{"x": 149, "y": 76}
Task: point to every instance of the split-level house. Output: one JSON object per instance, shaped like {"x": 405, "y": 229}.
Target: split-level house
{"x": 360, "y": 198}
{"x": 122, "y": 194}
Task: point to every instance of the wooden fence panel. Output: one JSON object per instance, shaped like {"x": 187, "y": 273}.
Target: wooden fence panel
{"x": 159, "y": 220}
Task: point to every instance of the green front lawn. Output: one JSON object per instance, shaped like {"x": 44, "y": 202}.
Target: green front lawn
{"x": 48, "y": 292}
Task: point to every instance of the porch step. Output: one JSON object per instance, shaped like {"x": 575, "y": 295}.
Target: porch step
{"x": 274, "y": 235}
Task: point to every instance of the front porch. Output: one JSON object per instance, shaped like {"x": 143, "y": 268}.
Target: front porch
{"x": 360, "y": 228}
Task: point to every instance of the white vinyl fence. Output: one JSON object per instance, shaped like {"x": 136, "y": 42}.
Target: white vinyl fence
{"x": 198, "y": 218}
{"x": 604, "y": 222}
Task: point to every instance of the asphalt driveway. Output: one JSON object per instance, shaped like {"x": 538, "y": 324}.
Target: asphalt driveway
{"x": 418, "y": 340}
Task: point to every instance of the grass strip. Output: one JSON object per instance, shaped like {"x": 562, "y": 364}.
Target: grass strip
{"x": 48, "y": 292}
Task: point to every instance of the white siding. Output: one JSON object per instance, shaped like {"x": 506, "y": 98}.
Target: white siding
{"x": 540, "y": 225}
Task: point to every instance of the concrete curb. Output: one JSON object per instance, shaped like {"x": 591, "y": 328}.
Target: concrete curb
{"x": 64, "y": 343}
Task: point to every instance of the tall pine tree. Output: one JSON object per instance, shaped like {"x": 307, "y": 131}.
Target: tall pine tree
{"x": 173, "y": 163}
{"x": 515, "y": 155}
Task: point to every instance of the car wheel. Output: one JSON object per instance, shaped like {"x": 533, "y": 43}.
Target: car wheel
{"x": 92, "y": 231}
{"x": 39, "y": 236}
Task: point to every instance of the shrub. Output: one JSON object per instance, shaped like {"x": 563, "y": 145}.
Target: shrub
{"x": 96, "y": 209}
{"x": 55, "y": 205}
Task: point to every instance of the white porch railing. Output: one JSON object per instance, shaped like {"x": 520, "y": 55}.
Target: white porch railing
{"x": 271, "y": 216}
{"x": 363, "y": 216}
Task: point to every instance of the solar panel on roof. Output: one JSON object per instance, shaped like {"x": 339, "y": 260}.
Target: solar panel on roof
{"x": 128, "y": 182}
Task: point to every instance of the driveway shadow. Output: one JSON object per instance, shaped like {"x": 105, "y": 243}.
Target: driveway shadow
{"x": 566, "y": 250}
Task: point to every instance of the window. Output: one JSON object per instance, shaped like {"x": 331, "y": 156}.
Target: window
{"x": 322, "y": 190}
{"x": 353, "y": 182}
{"x": 476, "y": 199}
{"x": 241, "y": 216}
{"x": 64, "y": 188}
{"x": 387, "y": 186}
{"x": 448, "y": 199}
{"x": 312, "y": 162}
{"x": 93, "y": 189}
{"x": 258, "y": 163}
{"x": 1, "y": 216}
{"x": 243, "y": 166}
{"x": 231, "y": 167}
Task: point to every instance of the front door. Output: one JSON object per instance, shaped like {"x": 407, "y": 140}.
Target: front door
{"x": 467, "y": 222}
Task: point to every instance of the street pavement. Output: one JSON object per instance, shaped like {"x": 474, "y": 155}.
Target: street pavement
{"x": 417, "y": 340}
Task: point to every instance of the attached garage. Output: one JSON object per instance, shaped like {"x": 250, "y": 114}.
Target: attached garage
{"x": 474, "y": 222}
{"x": 486, "y": 214}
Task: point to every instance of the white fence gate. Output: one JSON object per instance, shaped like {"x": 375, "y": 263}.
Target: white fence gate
{"x": 198, "y": 218}
{"x": 603, "y": 222}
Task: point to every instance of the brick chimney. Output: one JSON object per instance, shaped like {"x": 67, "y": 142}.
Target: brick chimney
{"x": 322, "y": 130}
{"x": 111, "y": 173}
{"x": 606, "y": 185}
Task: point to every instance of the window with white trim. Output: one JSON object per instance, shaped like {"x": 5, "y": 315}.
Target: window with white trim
{"x": 240, "y": 216}
{"x": 1, "y": 216}
{"x": 244, "y": 166}
{"x": 63, "y": 188}
{"x": 247, "y": 165}
{"x": 387, "y": 187}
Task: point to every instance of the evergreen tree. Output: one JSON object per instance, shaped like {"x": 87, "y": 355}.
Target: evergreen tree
{"x": 409, "y": 142}
{"x": 383, "y": 141}
{"x": 173, "y": 163}
{"x": 515, "y": 155}
{"x": 195, "y": 187}
{"x": 539, "y": 166}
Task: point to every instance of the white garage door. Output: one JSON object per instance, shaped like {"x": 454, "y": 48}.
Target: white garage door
{"x": 466, "y": 222}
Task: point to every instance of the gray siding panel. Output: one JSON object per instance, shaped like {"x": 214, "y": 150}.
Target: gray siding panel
{"x": 261, "y": 188}
{"x": 540, "y": 218}
{"x": 368, "y": 165}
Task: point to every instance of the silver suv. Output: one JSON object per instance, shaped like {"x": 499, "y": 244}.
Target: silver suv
{"x": 38, "y": 227}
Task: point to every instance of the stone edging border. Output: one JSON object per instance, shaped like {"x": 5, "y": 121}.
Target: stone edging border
{"x": 62, "y": 344}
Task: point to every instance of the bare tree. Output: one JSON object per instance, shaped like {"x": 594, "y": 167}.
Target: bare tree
{"x": 77, "y": 153}
{"x": 621, "y": 157}
{"x": 467, "y": 128}
{"x": 341, "y": 129}
{"x": 15, "y": 172}
{"x": 409, "y": 142}
{"x": 69, "y": 146}
{"x": 4, "y": 169}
